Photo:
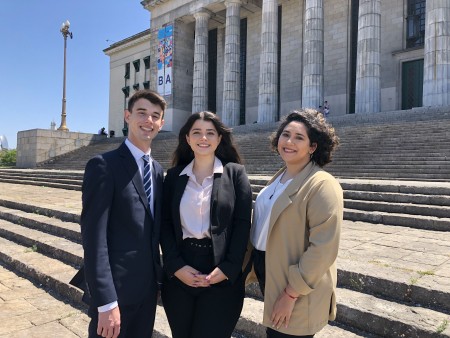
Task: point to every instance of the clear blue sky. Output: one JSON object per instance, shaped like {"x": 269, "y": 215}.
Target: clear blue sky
{"x": 31, "y": 61}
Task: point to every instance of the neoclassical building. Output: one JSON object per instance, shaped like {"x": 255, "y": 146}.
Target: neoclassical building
{"x": 255, "y": 60}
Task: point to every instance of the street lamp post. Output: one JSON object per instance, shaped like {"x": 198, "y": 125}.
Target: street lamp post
{"x": 65, "y": 32}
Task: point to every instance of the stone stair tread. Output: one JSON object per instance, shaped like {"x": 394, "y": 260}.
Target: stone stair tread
{"x": 382, "y": 235}
{"x": 46, "y": 270}
{"x": 397, "y": 197}
{"x": 15, "y": 215}
{"x": 50, "y": 245}
{"x": 54, "y": 179}
{"x": 385, "y": 215}
{"x": 50, "y": 184}
{"x": 434, "y": 211}
{"x": 389, "y": 318}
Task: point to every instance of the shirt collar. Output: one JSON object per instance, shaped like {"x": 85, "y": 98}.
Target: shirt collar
{"x": 218, "y": 168}
{"x": 135, "y": 151}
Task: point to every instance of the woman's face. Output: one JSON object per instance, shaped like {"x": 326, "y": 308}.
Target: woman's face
{"x": 203, "y": 138}
{"x": 294, "y": 144}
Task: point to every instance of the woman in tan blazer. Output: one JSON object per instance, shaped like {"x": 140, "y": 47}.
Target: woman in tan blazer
{"x": 296, "y": 228}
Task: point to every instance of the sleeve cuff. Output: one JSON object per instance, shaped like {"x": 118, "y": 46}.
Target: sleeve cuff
{"x": 108, "y": 307}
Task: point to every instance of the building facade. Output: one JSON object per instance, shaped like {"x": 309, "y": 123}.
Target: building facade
{"x": 255, "y": 60}
{"x": 129, "y": 71}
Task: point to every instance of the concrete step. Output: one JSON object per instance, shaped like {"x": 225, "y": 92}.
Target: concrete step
{"x": 396, "y": 197}
{"x": 52, "y": 246}
{"x": 400, "y": 208}
{"x": 390, "y": 319}
{"x": 48, "y": 240}
{"x": 53, "y": 274}
{"x": 68, "y": 181}
{"x": 412, "y": 221}
{"x": 41, "y": 183}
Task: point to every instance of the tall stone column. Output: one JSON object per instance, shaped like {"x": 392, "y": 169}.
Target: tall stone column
{"x": 368, "y": 67}
{"x": 231, "y": 76}
{"x": 200, "y": 76}
{"x": 436, "y": 77}
{"x": 313, "y": 55}
{"x": 268, "y": 67}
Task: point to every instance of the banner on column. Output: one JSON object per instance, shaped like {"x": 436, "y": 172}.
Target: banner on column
{"x": 165, "y": 60}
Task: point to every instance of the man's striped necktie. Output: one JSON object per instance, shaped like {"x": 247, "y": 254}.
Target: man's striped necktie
{"x": 147, "y": 179}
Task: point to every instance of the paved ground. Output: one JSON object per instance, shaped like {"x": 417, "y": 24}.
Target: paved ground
{"x": 26, "y": 310}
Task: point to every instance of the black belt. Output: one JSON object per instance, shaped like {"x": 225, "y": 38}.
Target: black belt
{"x": 194, "y": 244}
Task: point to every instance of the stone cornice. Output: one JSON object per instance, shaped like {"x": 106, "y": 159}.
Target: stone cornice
{"x": 152, "y": 3}
{"x": 128, "y": 42}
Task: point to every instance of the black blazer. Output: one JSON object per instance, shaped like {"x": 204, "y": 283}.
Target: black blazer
{"x": 120, "y": 234}
{"x": 231, "y": 205}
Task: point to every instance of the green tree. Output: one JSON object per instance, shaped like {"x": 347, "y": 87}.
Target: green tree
{"x": 8, "y": 157}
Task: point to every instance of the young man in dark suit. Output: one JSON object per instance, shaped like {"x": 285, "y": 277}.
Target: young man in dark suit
{"x": 120, "y": 226}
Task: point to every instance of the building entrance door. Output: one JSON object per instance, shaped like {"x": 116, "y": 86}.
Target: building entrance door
{"x": 412, "y": 84}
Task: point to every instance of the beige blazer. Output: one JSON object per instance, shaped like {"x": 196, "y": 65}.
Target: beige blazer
{"x": 302, "y": 247}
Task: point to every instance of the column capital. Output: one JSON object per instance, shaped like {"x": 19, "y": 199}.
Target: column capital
{"x": 201, "y": 13}
{"x": 232, "y": 2}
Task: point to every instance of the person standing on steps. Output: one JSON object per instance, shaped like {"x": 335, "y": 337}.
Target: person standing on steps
{"x": 205, "y": 230}
{"x": 120, "y": 226}
{"x": 296, "y": 229}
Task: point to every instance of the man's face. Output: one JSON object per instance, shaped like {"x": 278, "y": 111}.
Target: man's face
{"x": 144, "y": 122}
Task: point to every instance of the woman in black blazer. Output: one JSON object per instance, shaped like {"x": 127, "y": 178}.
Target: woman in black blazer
{"x": 205, "y": 229}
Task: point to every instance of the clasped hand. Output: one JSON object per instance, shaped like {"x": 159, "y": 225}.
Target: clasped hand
{"x": 194, "y": 278}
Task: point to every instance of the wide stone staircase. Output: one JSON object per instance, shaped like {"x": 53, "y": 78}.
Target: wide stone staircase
{"x": 411, "y": 145}
{"x": 394, "y": 258}
{"x": 394, "y": 265}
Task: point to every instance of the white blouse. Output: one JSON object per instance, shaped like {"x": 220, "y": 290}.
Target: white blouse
{"x": 196, "y": 202}
{"x": 262, "y": 211}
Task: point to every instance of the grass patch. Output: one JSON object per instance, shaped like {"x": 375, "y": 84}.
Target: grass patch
{"x": 426, "y": 273}
{"x": 441, "y": 328}
{"x": 32, "y": 248}
{"x": 379, "y": 263}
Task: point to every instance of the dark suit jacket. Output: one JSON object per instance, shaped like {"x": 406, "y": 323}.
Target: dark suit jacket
{"x": 231, "y": 205}
{"x": 120, "y": 234}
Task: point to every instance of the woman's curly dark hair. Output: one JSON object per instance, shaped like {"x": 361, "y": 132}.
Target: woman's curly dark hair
{"x": 226, "y": 150}
{"x": 319, "y": 132}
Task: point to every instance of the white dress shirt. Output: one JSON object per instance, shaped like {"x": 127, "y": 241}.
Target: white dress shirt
{"x": 137, "y": 154}
{"x": 262, "y": 211}
{"x": 196, "y": 201}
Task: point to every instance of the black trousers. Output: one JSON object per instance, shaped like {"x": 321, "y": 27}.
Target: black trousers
{"x": 259, "y": 265}
{"x": 136, "y": 320}
{"x": 202, "y": 312}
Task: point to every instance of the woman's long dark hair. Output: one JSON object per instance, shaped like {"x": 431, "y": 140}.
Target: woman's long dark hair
{"x": 226, "y": 150}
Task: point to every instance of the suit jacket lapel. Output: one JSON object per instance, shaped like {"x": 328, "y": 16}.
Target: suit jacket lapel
{"x": 285, "y": 199}
{"x": 133, "y": 171}
{"x": 181, "y": 182}
{"x": 157, "y": 186}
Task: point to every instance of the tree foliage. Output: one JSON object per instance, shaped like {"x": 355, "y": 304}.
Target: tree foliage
{"x": 8, "y": 157}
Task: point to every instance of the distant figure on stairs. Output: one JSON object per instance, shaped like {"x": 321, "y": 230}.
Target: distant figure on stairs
{"x": 296, "y": 229}
{"x": 102, "y": 131}
{"x": 326, "y": 109}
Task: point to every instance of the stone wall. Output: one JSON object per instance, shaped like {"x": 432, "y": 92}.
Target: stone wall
{"x": 39, "y": 145}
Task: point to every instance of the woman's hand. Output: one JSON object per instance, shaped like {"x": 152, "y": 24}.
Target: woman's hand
{"x": 191, "y": 277}
{"x": 216, "y": 276}
{"x": 283, "y": 307}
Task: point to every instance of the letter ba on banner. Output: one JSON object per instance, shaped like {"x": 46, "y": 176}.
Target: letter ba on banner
{"x": 165, "y": 60}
